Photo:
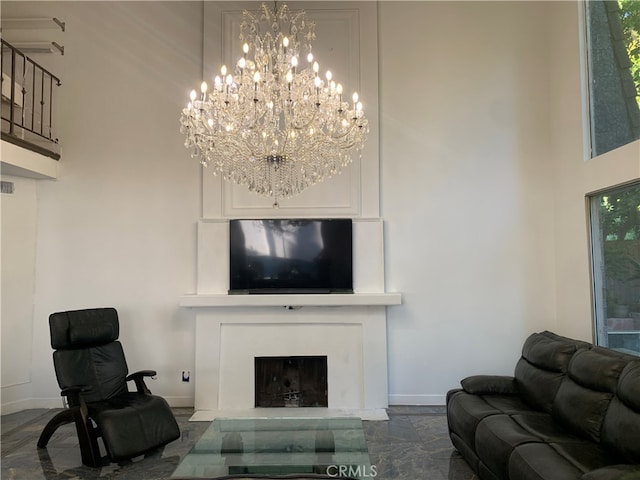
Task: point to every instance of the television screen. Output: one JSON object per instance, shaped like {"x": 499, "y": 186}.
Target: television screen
{"x": 290, "y": 256}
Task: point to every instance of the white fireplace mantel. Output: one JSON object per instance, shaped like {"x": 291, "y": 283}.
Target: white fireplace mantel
{"x": 292, "y": 300}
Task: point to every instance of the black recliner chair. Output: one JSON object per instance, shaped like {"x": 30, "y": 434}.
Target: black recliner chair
{"x": 92, "y": 372}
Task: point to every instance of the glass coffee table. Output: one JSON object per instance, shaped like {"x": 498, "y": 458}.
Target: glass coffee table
{"x": 334, "y": 447}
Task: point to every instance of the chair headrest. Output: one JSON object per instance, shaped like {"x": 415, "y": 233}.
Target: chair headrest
{"x": 83, "y": 328}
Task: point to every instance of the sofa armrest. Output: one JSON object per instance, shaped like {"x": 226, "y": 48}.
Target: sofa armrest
{"x": 614, "y": 472}
{"x": 489, "y": 385}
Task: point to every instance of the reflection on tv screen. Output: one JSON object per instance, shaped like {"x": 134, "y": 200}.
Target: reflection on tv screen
{"x": 276, "y": 255}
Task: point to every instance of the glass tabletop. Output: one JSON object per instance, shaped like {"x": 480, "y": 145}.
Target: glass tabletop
{"x": 279, "y": 446}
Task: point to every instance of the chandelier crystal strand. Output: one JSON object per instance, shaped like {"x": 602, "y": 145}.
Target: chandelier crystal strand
{"x": 272, "y": 124}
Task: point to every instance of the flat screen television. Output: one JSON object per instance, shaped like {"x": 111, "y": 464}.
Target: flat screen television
{"x": 290, "y": 256}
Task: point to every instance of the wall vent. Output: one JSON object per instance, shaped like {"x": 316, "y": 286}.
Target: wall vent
{"x": 6, "y": 187}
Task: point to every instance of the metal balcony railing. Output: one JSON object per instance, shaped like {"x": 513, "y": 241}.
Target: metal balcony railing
{"x": 28, "y": 92}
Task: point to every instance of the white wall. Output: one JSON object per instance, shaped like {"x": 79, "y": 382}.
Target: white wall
{"x": 19, "y": 217}
{"x": 118, "y": 227}
{"x": 466, "y": 191}
{"x": 482, "y": 185}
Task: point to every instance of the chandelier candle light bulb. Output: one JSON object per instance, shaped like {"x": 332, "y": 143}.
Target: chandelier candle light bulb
{"x": 269, "y": 125}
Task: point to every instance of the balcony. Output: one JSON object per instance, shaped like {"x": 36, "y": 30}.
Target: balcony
{"x": 28, "y": 103}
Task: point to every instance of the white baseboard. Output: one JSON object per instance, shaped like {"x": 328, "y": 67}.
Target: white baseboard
{"x": 30, "y": 404}
{"x": 430, "y": 400}
{"x": 179, "y": 402}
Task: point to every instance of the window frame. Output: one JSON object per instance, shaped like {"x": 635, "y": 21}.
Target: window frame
{"x": 597, "y": 261}
{"x": 588, "y": 98}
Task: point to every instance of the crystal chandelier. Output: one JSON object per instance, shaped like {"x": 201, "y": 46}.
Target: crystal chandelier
{"x": 272, "y": 124}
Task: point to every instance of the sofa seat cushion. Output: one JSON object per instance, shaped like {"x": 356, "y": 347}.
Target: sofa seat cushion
{"x": 614, "y": 472}
{"x": 585, "y": 457}
{"x": 464, "y": 412}
{"x": 467, "y": 451}
{"x": 540, "y": 461}
{"x": 546, "y": 429}
{"x": 496, "y": 437}
{"x": 485, "y": 473}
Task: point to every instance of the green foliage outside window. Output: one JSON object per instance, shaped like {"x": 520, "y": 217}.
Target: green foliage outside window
{"x": 613, "y": 59}
{"x": 619, "y": 221}
{"x": 620, "y": 215}
{"x": 630, "y": 16}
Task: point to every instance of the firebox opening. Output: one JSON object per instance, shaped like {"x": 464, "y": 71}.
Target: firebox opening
{"x": 291, "y": 381}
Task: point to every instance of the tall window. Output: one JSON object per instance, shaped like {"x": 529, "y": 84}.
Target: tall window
{"x": 613, "y": 53}
{"x": 615, "y": 232}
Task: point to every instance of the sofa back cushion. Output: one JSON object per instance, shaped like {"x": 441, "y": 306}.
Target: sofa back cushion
{"x": 621, "y": 426}
{"x": 586, "y": 392}
{"x": 543, "y": 366}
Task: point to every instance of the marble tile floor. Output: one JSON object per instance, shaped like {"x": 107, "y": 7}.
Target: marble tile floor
{"x": 412, "y": 445}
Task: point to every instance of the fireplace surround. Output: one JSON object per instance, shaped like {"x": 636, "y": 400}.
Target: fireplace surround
{"x": 348, "y": 329}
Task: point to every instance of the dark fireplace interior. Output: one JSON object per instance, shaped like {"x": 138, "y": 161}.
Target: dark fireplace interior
{"x": 291, "y": 381}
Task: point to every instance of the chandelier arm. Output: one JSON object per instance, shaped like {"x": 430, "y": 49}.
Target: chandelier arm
{"x": 344, "y": 135}
{"x": 311, "y": 120}
{"x": 291, "y": 125}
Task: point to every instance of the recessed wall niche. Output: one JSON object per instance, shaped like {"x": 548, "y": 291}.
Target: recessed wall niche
{"x": 346, "y": 43}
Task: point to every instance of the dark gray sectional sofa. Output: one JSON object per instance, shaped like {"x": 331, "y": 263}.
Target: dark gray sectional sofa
{"x": 571, "y": 411}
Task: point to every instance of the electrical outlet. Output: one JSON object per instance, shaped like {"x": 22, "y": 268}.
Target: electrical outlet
{"x": 186, "y": 375}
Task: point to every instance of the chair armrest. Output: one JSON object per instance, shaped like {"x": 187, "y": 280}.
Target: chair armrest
{"x": 614, "y": 472}
{"x": 489, "y": 385}
{"x": 73, "y": 394}
{"x": 138, "y": 378}
{"x": 141, "y": 373}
